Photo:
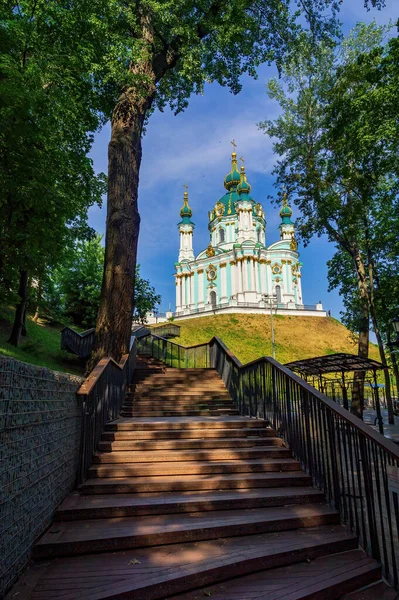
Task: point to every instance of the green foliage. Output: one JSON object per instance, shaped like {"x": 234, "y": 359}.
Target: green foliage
{"x": 338, "y": 142}
{"x": 49, "y": 108}
{"x": 72, "y": 290}
{"x": 78, "y": 283}
{"x": 145, "y": 298}
{"x": 40, "y": 347}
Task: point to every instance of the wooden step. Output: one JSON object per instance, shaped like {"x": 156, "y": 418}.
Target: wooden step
{"x": 181, "y": 379}
{"x": 179, "y": 405}
{"x": 174, "y": 413}
{"x": 325, "y": 578}
{"x": 105, "y": 446}
{"x": 101, "y": 535}
{"x": 194, "y": 467}
{"x": 182, "y": 402}
{"x": 176, "y": 483}
{"x": 173, "y": 389}
{"x": 172, "y": 394}
{"x": 141, "y": 456}
{"x": 245, "y": 433}
{"x": 380, "y": 591}
{"x": 179, "y": 423}
{"x": 157, "y": 573}
{"x": 76, "y": 506}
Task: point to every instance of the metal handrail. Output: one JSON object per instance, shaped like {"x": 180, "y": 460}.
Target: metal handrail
{"x": 350, "y": 462}
{"x": 77, "y": 343}
{"x": 103, "y": 393}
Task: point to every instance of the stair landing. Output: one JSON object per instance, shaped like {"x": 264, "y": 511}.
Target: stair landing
{"x": 186, "y": 499}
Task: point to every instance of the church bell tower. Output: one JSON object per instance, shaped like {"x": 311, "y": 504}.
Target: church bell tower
{"x": 186, "y": 229}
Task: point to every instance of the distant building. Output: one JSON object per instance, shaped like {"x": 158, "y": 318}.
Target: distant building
{"x": 237, "y": 272}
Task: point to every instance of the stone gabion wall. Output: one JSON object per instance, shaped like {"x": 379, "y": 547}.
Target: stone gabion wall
{"x": 40, "y": 417}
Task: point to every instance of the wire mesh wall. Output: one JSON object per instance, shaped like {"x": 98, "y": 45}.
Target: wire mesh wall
{"x": 40, "y": 421}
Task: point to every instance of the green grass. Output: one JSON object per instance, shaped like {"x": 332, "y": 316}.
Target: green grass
{"x": 42, "y": 345}
{"x": 249, "y": 336}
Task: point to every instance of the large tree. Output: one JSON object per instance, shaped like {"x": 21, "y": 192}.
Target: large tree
{"x": 52, "y": 97}
{"x": 337, "y": 138}
{"x": 176, "y": 47}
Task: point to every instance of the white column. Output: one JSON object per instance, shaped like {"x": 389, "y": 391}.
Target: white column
{"x": 187, "y": 290}
{"x": 177, "y": 294}
{"x": 224, "y": 282}
{"x": 233, "y": 275}
{"x": 263, "y": 278}
{"x": 239, "y": 277}
{"x": 201, "y": 287}
{"x": 254, "y": 276}
{"x": 300, "y": 301}
{"x": 244, "y": 266}
{"x": 269, "y": 279}
{"x": 192, "y": 296}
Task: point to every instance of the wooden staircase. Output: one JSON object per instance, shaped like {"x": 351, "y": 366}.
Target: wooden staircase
{"x": 186, "y": 499}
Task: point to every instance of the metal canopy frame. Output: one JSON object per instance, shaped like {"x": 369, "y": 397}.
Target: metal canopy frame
{"x": 334, "y": 363}
{"x": 340, "y": 363}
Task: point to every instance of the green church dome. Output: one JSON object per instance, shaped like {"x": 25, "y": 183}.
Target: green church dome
{"x": 185, "y": 212}
{"x": 286, "y": 211}
{"x": 232, "y": 179}
{"x": 243, "y": 187}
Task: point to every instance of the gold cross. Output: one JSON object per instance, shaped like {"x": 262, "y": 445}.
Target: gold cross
{"x": 233, "y": 144}
{"x": 242, "y": 160}
{"x": 185, "y": 186}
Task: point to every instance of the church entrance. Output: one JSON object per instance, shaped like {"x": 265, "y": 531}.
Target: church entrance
{"x": 212, "y": 297}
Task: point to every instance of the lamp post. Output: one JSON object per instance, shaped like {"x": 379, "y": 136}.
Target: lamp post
{"x": 271, "y": 301}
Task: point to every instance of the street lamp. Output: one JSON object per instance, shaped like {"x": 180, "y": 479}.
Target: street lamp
{"x": 271, "y": 301}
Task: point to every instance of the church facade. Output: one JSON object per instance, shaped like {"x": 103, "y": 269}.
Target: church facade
{"x": 238, "y": 272}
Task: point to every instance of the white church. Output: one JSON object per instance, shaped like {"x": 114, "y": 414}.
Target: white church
{"x": 238, "y": 272}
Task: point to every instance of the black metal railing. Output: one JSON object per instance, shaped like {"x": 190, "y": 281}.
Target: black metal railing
{"x": 166, "y": 330}
{"x": 103, "y": 393}
{"x": 80, "y": 344}
{"x": 175, "y": 355}
{"x": 355, "y": 466}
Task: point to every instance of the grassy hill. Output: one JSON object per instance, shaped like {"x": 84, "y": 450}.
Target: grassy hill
{"x": 249, "y": 336}
{"x": 42, "y": 346}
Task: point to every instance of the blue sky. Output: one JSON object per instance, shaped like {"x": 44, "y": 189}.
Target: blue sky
{"x": 194, "y": 148}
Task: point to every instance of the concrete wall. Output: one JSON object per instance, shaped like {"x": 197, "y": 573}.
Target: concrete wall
{"x": 40, "y": 419}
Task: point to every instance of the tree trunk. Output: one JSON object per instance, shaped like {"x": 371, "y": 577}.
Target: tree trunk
{"x": 114, "y": 320}
{"x": 38, "y": 300}
{"x": 20, "y": 312}
{"x": 357, "y": 402}
{"x": 388, "y": 395}
{"x": 373, "y": 313}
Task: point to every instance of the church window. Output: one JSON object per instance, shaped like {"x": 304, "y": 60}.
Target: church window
{"x": 212, "y": 298}
{"x": 259, "y": 233}
{"x": 278, "y": 294}
{"x": 276, "y": 269}
{"x": 221, "y": 235}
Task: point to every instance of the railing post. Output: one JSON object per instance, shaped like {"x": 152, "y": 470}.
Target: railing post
{"x": 274, "y": 397}
{"x": 370, "y": 500}
{"x": 333, "y": 459}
